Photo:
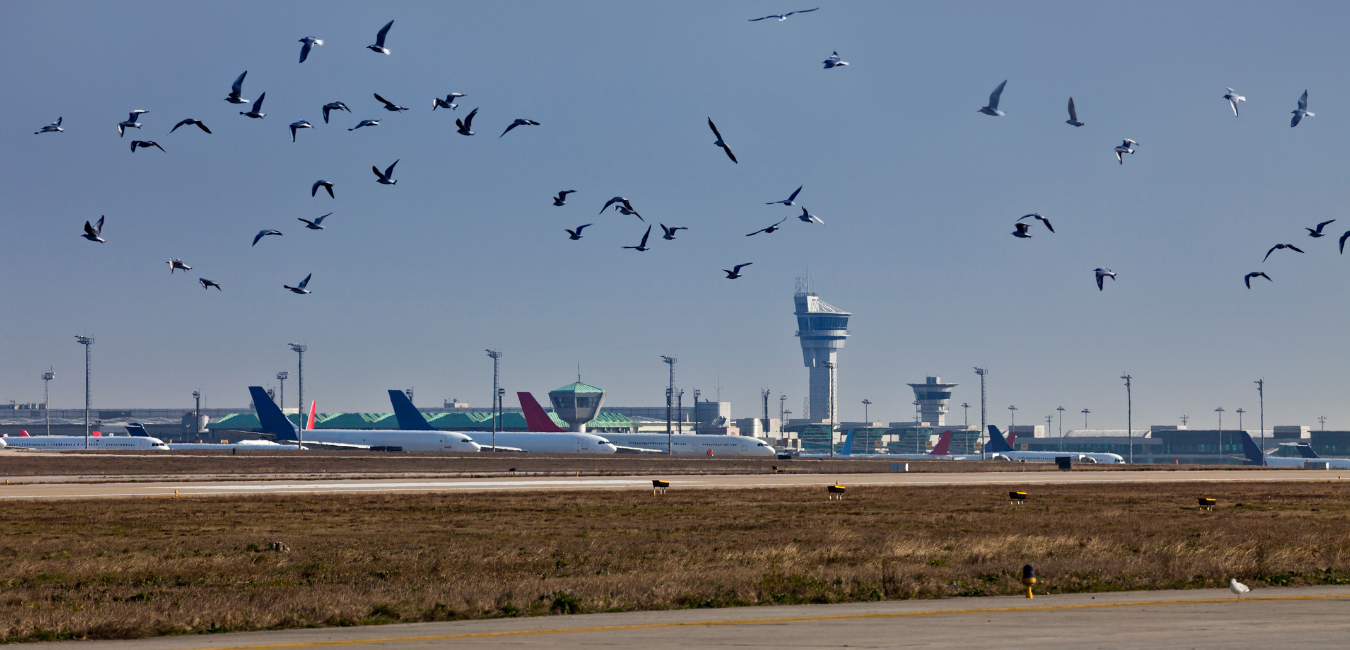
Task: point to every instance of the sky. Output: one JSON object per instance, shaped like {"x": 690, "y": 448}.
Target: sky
{"x": 917, "y": 190}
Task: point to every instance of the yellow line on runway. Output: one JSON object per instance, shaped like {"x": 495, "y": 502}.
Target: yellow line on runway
{"x": 750, "y": 621}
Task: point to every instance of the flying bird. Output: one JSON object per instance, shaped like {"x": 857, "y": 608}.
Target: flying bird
{"x": 1124, "y": 148}
{"x": 519, "y": 122}
{"x": 771, "y": 229}
{"x": 1301, "y": 111}
{"x": 628, "y": 212}
{"x": 1073, "y": 115}
{"x": 54, "y": 127}
{"x": 264, "y": 233}
{"x": 1237, "y": 587}
{"x": 670, "y": 232}
{"x": 1038, "y": 216}
{"x": 131, "y": 123}
{"x": 810, "y": 218}
{"x": 365, "y": 123}
{"x": 95, "y": 232}
{"x": 302, "y": 124}
{"x": 257, "y": 108}
{"x": 315, "y": 224}
{"x": 1343, "y": 238}
{"x": 1021, "y": 230}
{"x": 390, "y": 106}
{"x": 834, "y": 62}
{"x": 992, "y": 108}
{"x": 466, "y": 124}
{"x": 782, "y": 17}
{"x": 384, "y": 179}
{"x": 561, "y": 198}
{"x": 207, "y": 284}
{"x": 324, "y": 184}
{"x": 789, "y": 200}
{"x": 1233, "y": 99}
{"x": 735, "y": 271}
{"x": 175, "y": 264}
{"x": 333, "y": 106}
{"x": 448, "y": 102}
{"x": 379, "y": 39}
{"x": 300, "y": 289}
{"x": 720, "y": 143}
{"x": 643, "y": 246}
{"x": 576, "y": 234}
{"x": 617, "y": 199}
{"x": 1278, "y": 247}
{"x": 190, "y": 122}
{"x": 1104, "y": 273}
{"x": 1254, "y": 274}
{"x": 145, "y": 144}
{"x": 235, "y": 89}
{"x": 309, "y": 42}
{"x": 1317, "y": 232}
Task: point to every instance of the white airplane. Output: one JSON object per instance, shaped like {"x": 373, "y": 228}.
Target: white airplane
{"x": 76, "y": 443}
{"x": 1004, "y": 451}
{"x": 273, "y": 422}
{"x": 136, "y": 429}
{"x": 538, "y": 442}
{"x": 1306, "y": 455}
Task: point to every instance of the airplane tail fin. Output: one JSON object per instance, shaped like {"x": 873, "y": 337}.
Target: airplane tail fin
{"x": 271, "y": 418}
{"x": 536, "y": 419}
{"x": 137, "y": 429}
{"x": 1249, "y": 449}
{"x": 1012, "y": 439}
{"x": 310, "y": 425}
{"x": 1305, "y": 450}
{"x": 848, "y": 444}
{"x": 943, "y": 444}
{"x": 409, "y": 418}
{"x": 996, "y": 440}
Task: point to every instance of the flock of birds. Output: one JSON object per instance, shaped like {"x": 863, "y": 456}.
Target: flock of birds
{"x": 93, "y": 232}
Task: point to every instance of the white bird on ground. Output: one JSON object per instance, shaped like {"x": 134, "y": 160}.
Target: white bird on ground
{"x": 992, "y": 108}
{"x": 1237, "y": 587}
{"x": 324, "y": 184}
{"x": 1233, "y": 99}
{"x": 789, "y": 200}
{"x": 390, "y": 106}
{"x": 384, "y": 179}
{"x": 1301, "y": 111}
{"x": 309, "y": 42}
{"x": 256, "y": 113}
{"x": 1038, "y": 216}
{"x": 519, "y": 122}
{"x": 131, "y": 123}
{"x": 1124, "y": 148}
{"x": 315, "y": 224}
{"x": 1104, "y": 273}
{"x": 466, "y": 125}
{"x": 94, "y": 233}
{"x": 576, "y": 234}
{"x": 1255, "y": 274}
{"x": 190, "y": 122}
{"x": 735, "y": 271}
{"x": 365, "y": 123}
{"x": 1073, "y": 115}
{"x": 235, "y": 89}
{"x": 809, "y": 218}
{"x": 1317, "y": 232}
{"x": 54, "y": 127}
{"x": 448, "y": 102}
{"x": 264, "y": 233}
{"x": 561, "y": 198}
{"x": 333, "y": 106}
{"x": 175, "y": 264}
{"x": 834, "y": 62}
{"x": 144, "y": 144}
{"x": 670, "y": 232}
{"x": 300, "y": 289}
{"x": 207, "y": 284}
{"x": 302, "y": 124}
{"x": 643, "y": 246}
{"x": 379, "y": 39}
{"x": 782, "y": 17}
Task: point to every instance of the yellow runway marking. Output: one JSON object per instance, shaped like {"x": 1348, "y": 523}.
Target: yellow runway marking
{"x": 752, "y": 621}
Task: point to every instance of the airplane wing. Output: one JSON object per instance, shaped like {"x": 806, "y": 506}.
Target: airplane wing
{"x": 499, "y": 448}
{"x": 636, "y": 450}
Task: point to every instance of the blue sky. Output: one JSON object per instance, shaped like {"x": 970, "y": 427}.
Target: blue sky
{"x": 917, "y": 190}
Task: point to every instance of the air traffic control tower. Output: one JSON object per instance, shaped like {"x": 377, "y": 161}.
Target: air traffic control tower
{"x": 822, "y": 329}
{"x": 932, "y": 396}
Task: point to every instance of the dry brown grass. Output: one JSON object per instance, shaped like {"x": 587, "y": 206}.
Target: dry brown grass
{"x": 133, "y": 568}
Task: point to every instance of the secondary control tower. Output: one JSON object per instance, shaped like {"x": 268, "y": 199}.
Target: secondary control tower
{"x": 822, "y": 330}
{"x": 932, "y": 396}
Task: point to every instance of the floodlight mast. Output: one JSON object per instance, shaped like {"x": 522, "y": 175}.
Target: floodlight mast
{"x": 1129, "y": 416}
{"x": 197, "y": 414}
{"x": 1261, "y": 391}
{"x": 982, "y": 372}
{"x": 496, "y": 394}
{"x": 86, "y": 341}
{"x": 281, "y": 377}
{"x": 47, "y": 377}
{"x": 299, "y": 349}
{"x": 1061, "y": 427}
{"x": 866, "y": 403}
{"x": 670, "y": 397}
{"x": 1220, "y": 450}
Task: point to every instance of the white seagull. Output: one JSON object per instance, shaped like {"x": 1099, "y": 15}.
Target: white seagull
{"x": 131, "y": 123}
{"x": 617, "y": 199}
{"x": 1073, "y": 115}
{"x": 94, "y": 233}
{"x": 561, "y": 198}
{"x": 670, "y": 232}
{"x": 302, "y": 124}
{"x": 834, "y": 62}
{"x": 1301, "y": 111}
{"x": 379, "y": 39}
{"x": 720, "y": 143}
{"x": 384, "y": 179}
{"x": 333, "y": 106}
{"x": 735, "y": 271}
{"x": 782, "y": 17}
{"x": 1124, "y": 148}
{"x": 365, "y": 123}
{"x": 1021, "y": 230}
{"x": 576, "y": 234}
{"x": 190, "y": 122}
{"x": 324, "y": 184}
{"x": 235, "y": 89}
{"x": 1254, "y": 274}
{"x": 207, "y": 284}
{"x": 264, "y": 233}
{"x": 1317, "y": 232}
{"x": 309, "y": 42}
{"x": 770, "y": 229}
{"x": 54, "y": 127}
{"x": 256, "y": 113}
{"x": 809, "y": 218}
{"x": 789, "y": 200}
{"x": 315, "y": 224}
{"x": 643, "y": 246}
{"x": 1237, "y": 587}
{"x": 1278, "y": 247}
{"x": 175, "y": 264}
{"x": 992, "y": 108}
{"x": 1104, "y": 273}
{"x": 1233, "y": 99}
{"x": 448, "y": 102}
{"x": 1038, "y": 216}
{"x": 466, "y": 125}
{"x": 390, "y": 106}
{"x": 144, "y": 144}
{"x": 300, "y": 289}
{"x": 519, "y": 122}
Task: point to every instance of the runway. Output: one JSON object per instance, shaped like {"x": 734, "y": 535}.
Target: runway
{"x": 1305, "y": 617}
{"x": 30, "y": 489}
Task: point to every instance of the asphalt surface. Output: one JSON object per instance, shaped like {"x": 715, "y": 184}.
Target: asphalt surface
{"x": 34, "y": 490}
{"x": 1304, "y": 617}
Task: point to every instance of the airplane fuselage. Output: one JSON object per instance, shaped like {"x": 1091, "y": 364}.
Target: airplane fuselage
{"x": 74, "y": 443}
{"x": 690, "y": 444}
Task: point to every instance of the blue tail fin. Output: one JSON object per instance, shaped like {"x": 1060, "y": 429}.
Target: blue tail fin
{"x": 409, "y": 418}
{"x": 271, "y": 417}
{"x": 137, "y": 429}
{"x": 1253, "y": 453}
{"x": 1305, "y": 450}
{"x": 848, "y": 444}
{"x": 996, "y": 440}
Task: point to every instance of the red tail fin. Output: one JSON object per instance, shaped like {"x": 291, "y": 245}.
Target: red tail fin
{"x": 96, "y": 434}
{"x": 23, "y": 433}
{"x": 310, "y": 426}
{"x": 944, "y": 441}
{"x": 535, "y": 417}
{"x": 1012, "y": 438}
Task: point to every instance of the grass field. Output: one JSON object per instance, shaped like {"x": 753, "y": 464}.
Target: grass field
{"x": 135, "y": 568}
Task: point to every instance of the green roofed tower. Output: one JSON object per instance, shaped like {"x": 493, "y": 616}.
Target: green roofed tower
{"x": 577, "y": 404}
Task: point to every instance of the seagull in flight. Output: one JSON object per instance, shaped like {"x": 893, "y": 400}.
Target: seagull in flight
{"x": 519, "y": 122}
{"x": 735, "y": 271}
{"x": 145, "y": 144}
{"x": 257, "y": 107}
{"x": 54, "y": 127}
{"x": 1038, "y": 216}
{"x": 302, "y": 124}
{"x": 333, "y": 106}
{"x": 782, "y": 17}
{"x": 720, "y": 143}
{"x": 992, "y": 108}
{"x": 379, "y": 40}
{"x": 94, "y": 233}
{"x": 315, "y": 224}
{"x": 384, "y": 179}
{"x": 617, "y": 199}
{"x": 365, "y": 123}
{"x": 1021, "y": 232}
{"x": 1301, "y": 111}
{"x": 576, "y": 234}
{"x": 1124, "y": 148}
{"x": 789, "y": 200}
{"x": 1255, "y": 274}
{"x": 643, "y": 246}
{"x": 1237, "y": 587}
{"x": 810, "y": 218}
{"x": 628, "y": 212}
{"x": 448, "y": 102}
{"x": 771, "y": 229}
{"x": 190, "y": 122}
{"x": 175, "y": 264}
{"x": 390, "y": 106}
{"x": 834, "y": 62}
{"x": 234, "y": 97}
{"x": 1278, "y": 247}
{"x": 131, "y": 123}
{"x": 309, "y": 42}
{"x": 1317, "y": 232}
{"x": 300, "y": 289}
{"x": 670, "y": 232}
{"x": 1343, "y": 238}
{"x": 1104, "y": 273}
{"x": 207, "y": 284}
{"x": 264, "y": 233}
{"x": 324, "y": 184}
{"x": 1233, "y": 99}
{"x": 561, "y": 198}
{"x": 1073, "y": 115}
{"x": 466, "y": 124}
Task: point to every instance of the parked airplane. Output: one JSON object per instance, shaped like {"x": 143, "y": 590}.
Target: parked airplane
{"x": 76, "y": 443}
{"x": 1004, "y": 451}
{"x": 273, "y": 422}
{"x": 684, "y": 444}
{"x": 1306, "y": 455}
{"x": 136, "y": 429}
{"x": 539, "y": 442}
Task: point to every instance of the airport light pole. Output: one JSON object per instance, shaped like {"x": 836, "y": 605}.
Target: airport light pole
{"x": 1240, "y": 412}
{"x": 679, "y": 411}
{"x": 1220, "y": 412}
{"x": 86, "y": 341}
{"x": 1261, "y": 392}
{"x": 965, "y": 409}
{"x": 1012, "y": 418}
{"x": 782, "y": 411}
{"x": 299, "y": 349}
{"x": 47, "y": 377}
{"x": 696, "y": 421}
{"x": 1322, "y": 419}
{"x": 866, "y": 403}
{"x": 496, "y": 360}
{"x": 1085, "y": 414}
{"x": 1061, "y": 427}
{"x": 1129, "y": 416}
{"x": 670, "y": 395}
{"x": 982, "y": 372}
{"x": 197, "y": 414}
{"x": 1184, "y": 418}
{"x": 501, "y": 395}
{"x": 1048, "y": 420}
{"x": 281, "y": 377}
